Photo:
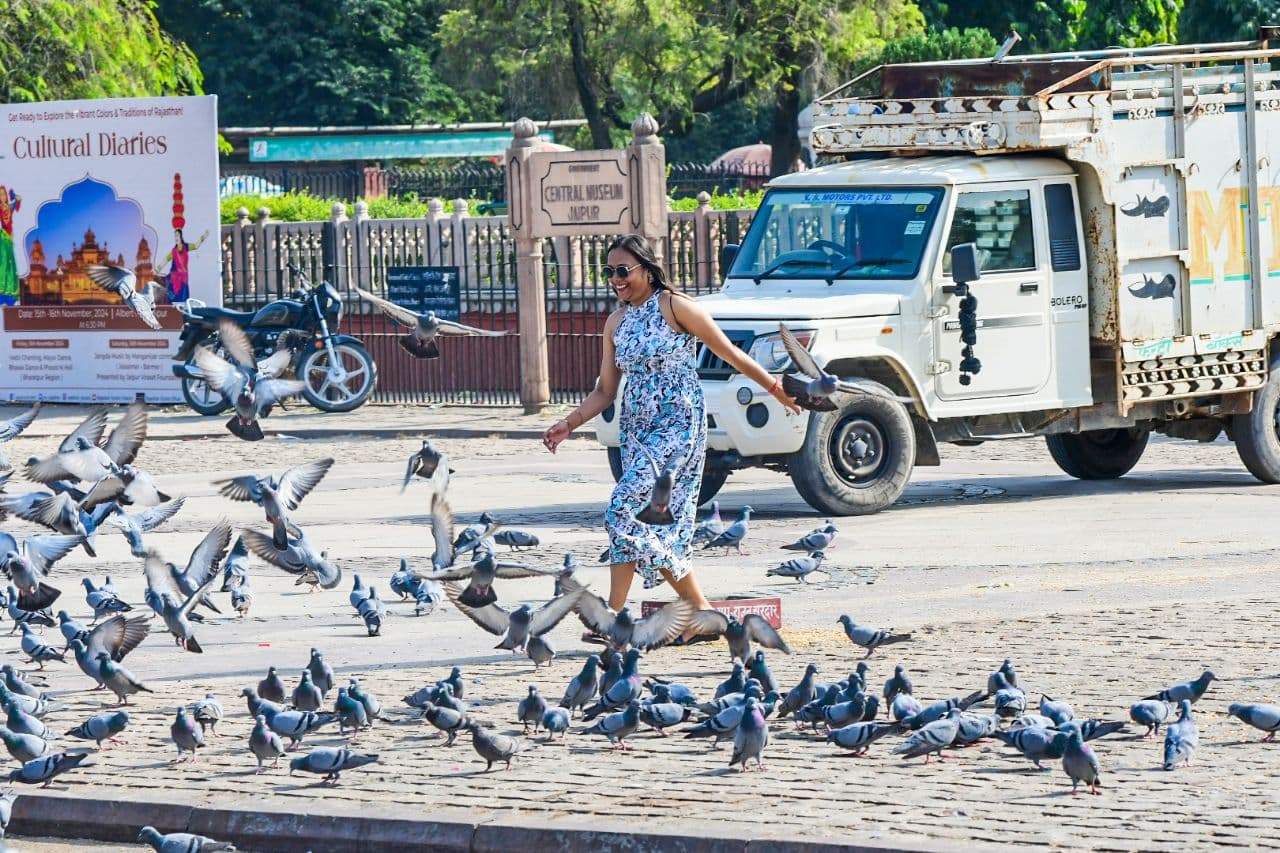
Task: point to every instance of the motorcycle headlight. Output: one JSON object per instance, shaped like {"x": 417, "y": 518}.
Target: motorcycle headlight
{"x": 771, "y": 354}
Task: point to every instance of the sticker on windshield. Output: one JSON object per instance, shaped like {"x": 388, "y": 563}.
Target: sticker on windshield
{"x": 912, "y": 198}
{"x": 915, "y": 226}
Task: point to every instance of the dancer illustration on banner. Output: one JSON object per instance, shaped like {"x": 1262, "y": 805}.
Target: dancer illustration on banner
{"x": 10, "y": 202}
{"x": 178, "y": 279}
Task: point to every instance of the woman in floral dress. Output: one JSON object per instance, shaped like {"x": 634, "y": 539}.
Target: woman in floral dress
{"x": 652, "y": 340}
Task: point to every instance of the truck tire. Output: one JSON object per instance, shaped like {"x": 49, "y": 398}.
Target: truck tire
{"x": 1099, "y": 454}
{"x": 831, "y": 476}
{"x": 1257, "y": 434}
{"x": 712, "y": 480}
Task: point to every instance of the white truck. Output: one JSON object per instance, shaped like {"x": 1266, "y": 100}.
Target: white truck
{"x": 1125, "y": 211}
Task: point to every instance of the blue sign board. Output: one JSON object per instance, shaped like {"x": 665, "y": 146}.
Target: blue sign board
{"x": 381, "y": 146}
{"x": 423, "y": 289}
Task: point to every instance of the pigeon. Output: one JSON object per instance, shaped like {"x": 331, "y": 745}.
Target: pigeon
{"x": 257, "y": 705}
{"x": 321, "y": 672}
{"x": 84, "y": 460}
{"x": 300, "y": 558}
{"x": 47, "y": 769}
{"x": 759, "y": 670}
{"x": 751, "y": 736}
{"x": 271, "y": 687}
{"x": 1057, "y": 711}
{"x": 25, "y": 747}
{"x": 480, "y": 573}
{"x": 735, "y": 683}
{"x": 101, "y": 727}
{"x": 12, "y": 428}
{"x": 427, "y": 596}
{"x": 372, "y": 610}
{"x": 118, "y": 679}
{"x": 802, "y": 694}
{"x": 732, "y": 536}
{"x": 28, "y": 565}
{"x": 531, "y": 709}
{"x": 816, "y": 540}
{"x": 448, "y": 720}
{"x": 124, "y": 283}
{"x": 1265, "y": 718}
{"x": 132, "y": 486}
{"x": 1010, "y": 701}
{"x": 37, "y": 707}
{"x": 934, "y": 737}
{"x": 869, "y": 638}
{"x": 306, "y": 696}
{"x": 1080, "y": 763}
{"x": 265, "y": 744}
{"x": 493, "y": 747}
{"x": 296, "y": 725}
{"x": 657, "y": 510}
{"x": 242, "y": 599}
{"x": 974, "y": 727}
{"x": 61, "y": 514}
{"x": 277, "y": 496}
{"x": 723, "y": 724}
{"x": 660, "y": 713}
{"x": 350, "y": 712}
{"x": 858, "y": 737}
{"x": 359, "y": 591}
{"x": 133, "y": 525}
{"x": 583, "y": 686}
{"x": 516, "y": 627}
{"x": 23, "y": 618}
{"x": 71, "y": 629}
{"x": 710, "y": 528}
{"x": 798, "y": 568}
{"x": 421, "y": 342}
{"x": 208, "y": 712}
{"x": 617, "y": 694}
{"x": 938, "y": 710}
{"x": 555, "y": 721}
{"x": 372, "y": 707}
{"x": 812, "y": 388}
{"x": 611, "y": 671}
{"x": 617, "y": 726}
{"x": 431, "y": 465}
{"x": 180, "y": 842}
{"x": 203, "y": 564}
{"x": 1093, "y": 729}
{"x": 7, "y": 800}
{"x": 899, "y": 684}
{"x": 329, "y": 762}
{"x": 738, "y": 634}
{"x": 173, "y": 610}
{"x": 37, "y": 651}
{"x": 1010, "y": 676}
{"x": 115, "y": 638}
{"x": 240, "y": 384}
{"x": 235, "y": 568}
{"x": 812, "y": 712}
{"x": 516, "y": 539}
{"x": 1035, "y": 743}
{"x": 1191, "y": 690}
{"x": 473, "y": 535}
{"x": 185, "y": 735}
{"x": 103, "y": 602}
{"x": 620, "y": 628}
{"x": 14, "y": 681}
{"x": 1180, "y": 737}
{"x": 1027, "y": 721}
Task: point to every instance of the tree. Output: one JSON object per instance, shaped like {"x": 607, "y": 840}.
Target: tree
{"x": 1066, "y": 25}
{"x": 320, "y": 62}
{"x": 69, "y": 49}
{"x": 1225, "y": 20}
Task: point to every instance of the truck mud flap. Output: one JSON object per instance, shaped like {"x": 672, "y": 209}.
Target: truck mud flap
{"x": 926, "y": 446}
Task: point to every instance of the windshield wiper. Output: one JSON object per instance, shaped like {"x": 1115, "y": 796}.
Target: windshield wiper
{"x": 854, "y": 263}
{"x": 803, "y": 256}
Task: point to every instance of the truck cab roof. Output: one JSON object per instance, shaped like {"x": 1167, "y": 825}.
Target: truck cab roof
{"x": 931, "y": 170}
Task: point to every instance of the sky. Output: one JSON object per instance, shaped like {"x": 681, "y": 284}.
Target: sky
{"x": 89, "y": 203}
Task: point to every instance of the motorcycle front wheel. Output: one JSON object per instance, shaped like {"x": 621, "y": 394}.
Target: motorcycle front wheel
{"x": 200, "y": 397}
{"x": 338, "y": 386}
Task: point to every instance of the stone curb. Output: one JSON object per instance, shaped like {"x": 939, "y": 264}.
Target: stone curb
{"x": 253, "y": 824}
{"x": 372, "y": 432}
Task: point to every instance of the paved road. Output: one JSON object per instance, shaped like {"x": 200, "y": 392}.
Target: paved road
{"x": 1100, "y": 592}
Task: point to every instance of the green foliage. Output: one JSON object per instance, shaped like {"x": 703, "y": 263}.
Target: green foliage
{"x": 322, "y": 62}
{"x": 69, "y": 49}
{"x": 1064, "y": 24}
{"x": 746, "y": 200}
{"x": 1225, "y": 20}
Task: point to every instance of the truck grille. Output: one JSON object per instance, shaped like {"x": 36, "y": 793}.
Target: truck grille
{"x": 712, "y": 366}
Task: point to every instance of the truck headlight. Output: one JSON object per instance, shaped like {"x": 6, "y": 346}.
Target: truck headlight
{"x": 770, "y": 353}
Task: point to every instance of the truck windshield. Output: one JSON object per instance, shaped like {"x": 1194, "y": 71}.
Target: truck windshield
{"x": 862, "y": 233}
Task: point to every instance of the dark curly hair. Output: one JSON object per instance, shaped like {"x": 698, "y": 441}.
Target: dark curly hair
{"x": 638, "y": 248}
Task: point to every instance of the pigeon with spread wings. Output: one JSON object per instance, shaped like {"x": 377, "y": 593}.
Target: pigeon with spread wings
{"x": 277, "y": 496}
{"x": 13, "y": 427}
{"x": 133, "y": 524}
{"x": 81, "y": 458}
{"x": 814, "y": 387}
{"x": 421, "y": 342}
{"x": 240, "y": 383}
{"x": 301, "y": 557}
{"x": 658, "y": 509}
{"x": 516, "y": 627}
{"x": 623, "y": 630}
{"x": 173, "y": 609}
{"x": 124, "y": 284}
{"x": 739, "y": 634}
{"x": 28, "y": 564}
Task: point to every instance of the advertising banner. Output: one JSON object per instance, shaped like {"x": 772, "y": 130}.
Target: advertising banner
{"x": 108, "y": 219}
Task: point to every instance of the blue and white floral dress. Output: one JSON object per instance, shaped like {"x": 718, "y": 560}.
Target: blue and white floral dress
{"x": 662, "y": 408}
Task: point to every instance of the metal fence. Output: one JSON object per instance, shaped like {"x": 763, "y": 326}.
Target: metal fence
{"x": 356, "y": 252}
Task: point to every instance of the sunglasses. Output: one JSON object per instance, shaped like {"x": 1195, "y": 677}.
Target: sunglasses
{"x": 620, "y": 271}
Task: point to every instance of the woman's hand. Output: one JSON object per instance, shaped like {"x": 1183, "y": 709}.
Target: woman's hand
{"x": 558, "y": 432}
{"x": 786, "y": 400}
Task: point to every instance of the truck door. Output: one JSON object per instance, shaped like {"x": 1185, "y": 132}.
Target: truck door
{"x": 1005, "y": 222}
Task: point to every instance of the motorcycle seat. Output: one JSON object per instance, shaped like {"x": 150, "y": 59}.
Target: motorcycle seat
{"x": 209, "y": 312}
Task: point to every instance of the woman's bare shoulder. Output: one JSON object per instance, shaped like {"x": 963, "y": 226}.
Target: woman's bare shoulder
{"x": 611, "y": 322}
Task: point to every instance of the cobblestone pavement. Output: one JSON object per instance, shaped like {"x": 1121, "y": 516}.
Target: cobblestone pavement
{"x": 1101, "y": 593}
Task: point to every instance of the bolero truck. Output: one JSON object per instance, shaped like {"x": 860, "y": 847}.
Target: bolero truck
{"x": 1123, "y": 210}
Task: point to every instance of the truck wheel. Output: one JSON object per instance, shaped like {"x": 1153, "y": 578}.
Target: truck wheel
{"x": 712, "y": 480}
{"x": 1256, "y": 434}
{"x": 856, "y": 460}
{"x": 1098, "y": 454}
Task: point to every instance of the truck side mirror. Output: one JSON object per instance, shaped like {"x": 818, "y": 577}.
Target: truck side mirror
{"x": 728, "y": 254}
{"x": 964, "y": 263}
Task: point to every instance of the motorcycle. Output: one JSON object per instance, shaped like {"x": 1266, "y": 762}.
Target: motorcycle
{"x": 337, "y": 370}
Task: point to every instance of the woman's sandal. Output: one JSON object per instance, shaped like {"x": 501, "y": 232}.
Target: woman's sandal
{"x": 697, "y": 638}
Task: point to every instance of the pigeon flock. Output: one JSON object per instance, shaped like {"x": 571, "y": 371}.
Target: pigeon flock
{"x": 93, "y": 482}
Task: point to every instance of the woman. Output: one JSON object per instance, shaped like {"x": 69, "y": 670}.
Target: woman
{"x": 177, "y": 281}
{"x": 10, "y": 202}
{"x": 651, "y": 338}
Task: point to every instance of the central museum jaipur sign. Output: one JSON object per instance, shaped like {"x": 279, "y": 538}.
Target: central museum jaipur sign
{"x": 579, "y": 189}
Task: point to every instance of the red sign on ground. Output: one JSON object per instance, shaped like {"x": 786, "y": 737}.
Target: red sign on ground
{"x": 737, "y": 608}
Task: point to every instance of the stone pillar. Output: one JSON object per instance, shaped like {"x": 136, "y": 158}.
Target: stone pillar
{"x": 647, "y": 172}
{"x": 535, "y": 375}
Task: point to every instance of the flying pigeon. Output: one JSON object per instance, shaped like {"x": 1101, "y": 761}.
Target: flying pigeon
{"x": 86, "y": 461}
{"x": 203, "y": 563}
{"x": 133, "y": 525}
{"x": 431, "y": 465}
{"x": 123, "y": 283}
{"x": 813, "y": 388}
{"x": 239, "y": 383}
{"x": 516, "y": 627}
{"x": 115, "y": 638}
{"x": 173, "y": 609}
{"x": 421, "y": 342}
{"x": 739, "y": 634}
{"x": 13, "y": 427}
{"x": 28, "y": 565}
{"x": 277, "y": 496}
{"x": 299, "y": 558}
{"x": 623, "y": 630}
{"x": 658, "y": 509}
